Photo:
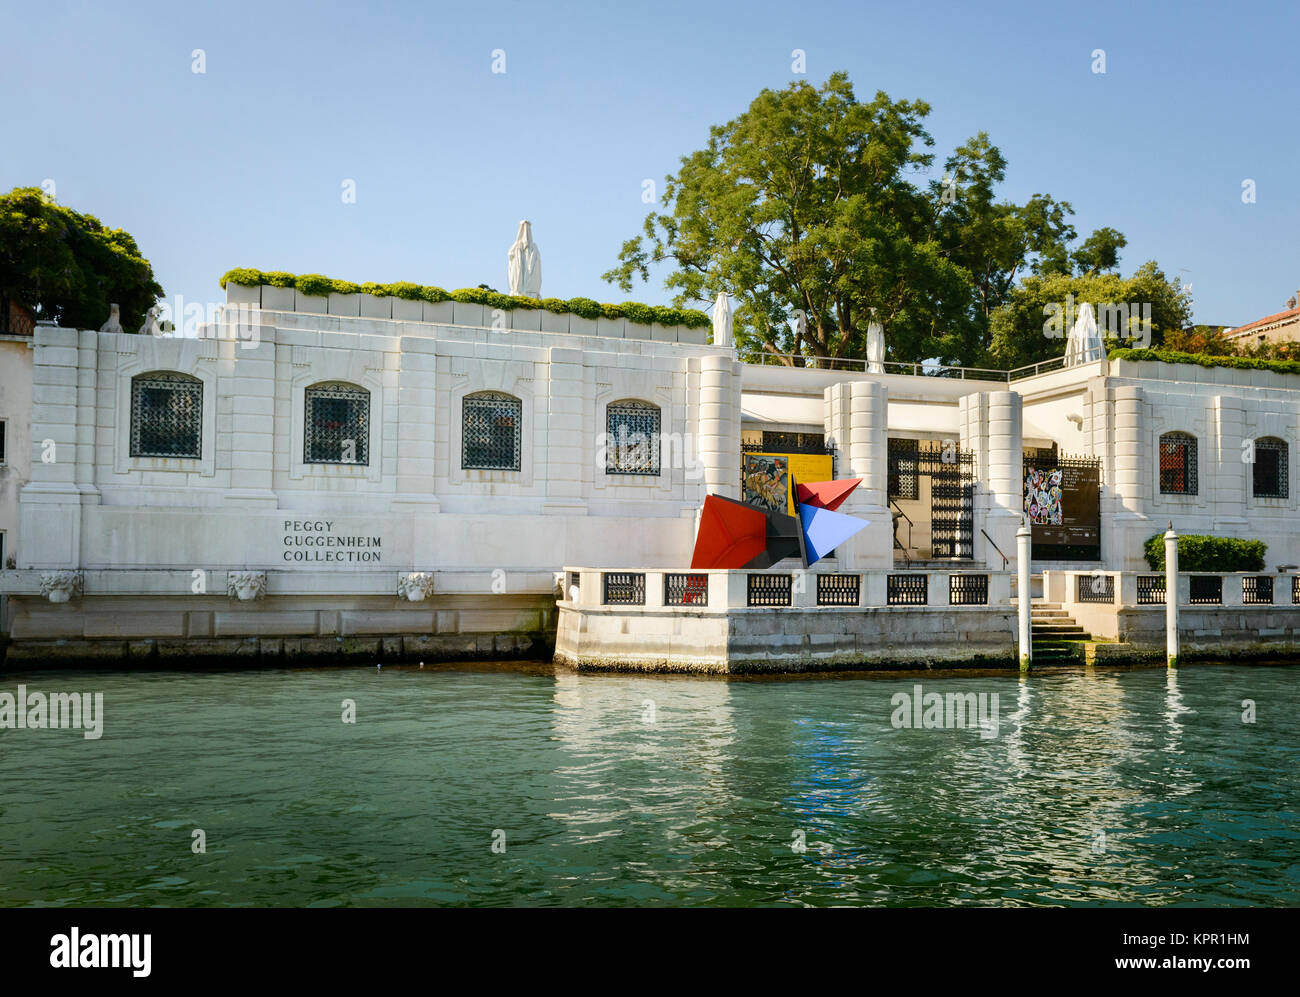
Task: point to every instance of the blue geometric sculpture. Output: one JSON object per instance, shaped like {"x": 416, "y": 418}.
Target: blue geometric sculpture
{"x": 824, "y": 530}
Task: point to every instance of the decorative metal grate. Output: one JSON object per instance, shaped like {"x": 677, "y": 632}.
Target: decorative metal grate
{"x": 775, "y": 441}
{"x": 337, "y": 425}
{"x": 908, "y": 590}
{"x": 902, "y": 454}
{"x": 769, "y": 590}
{"x": 1094, "y": 588}
{"x": 968, "y": 590}
{"x": 1257, "y": 590}
{"x": 952, "y": 498}
{"x": 491, "y": 428}
{"x": 686, "y": 590}
{"x": 1206, "y": 590}
{"x": 1151, "y": 590}
{"x": 166, "y": 416}
{"x": 632, "y": 441}
{"x": 839, "y": 590}
{"x": 1295, "y": 589}
{"x": 1272, "y": 469}
{"x": 1178, "y": 464}
{"x": 624, "y": 588}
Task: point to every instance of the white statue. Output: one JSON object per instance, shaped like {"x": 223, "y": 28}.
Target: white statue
{"x": 1083, "y": 344}
{"x": 525, "y": 264}
{"x": 114, "y": 323}
{"x": 151, "y": 326}
{"x": 722, "y": 320}
{"x": 875, "y": 348}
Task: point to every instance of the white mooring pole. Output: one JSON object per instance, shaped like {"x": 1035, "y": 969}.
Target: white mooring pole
{"x": 1022, "y": 594}
{"x": 1171, "y": 597}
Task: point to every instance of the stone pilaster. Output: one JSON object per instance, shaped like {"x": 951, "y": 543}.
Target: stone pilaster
{"x": 856, "y": 415}
{"x": 719, "y": 425}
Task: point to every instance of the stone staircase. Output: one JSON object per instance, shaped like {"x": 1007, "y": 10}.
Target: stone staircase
{"x": 1054, "y": 634}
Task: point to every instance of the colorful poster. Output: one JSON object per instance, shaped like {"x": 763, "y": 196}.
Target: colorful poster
{"x": 765, "y": 481}
{"x": 802, "y": 467}
{"x": 1063, "y": 506}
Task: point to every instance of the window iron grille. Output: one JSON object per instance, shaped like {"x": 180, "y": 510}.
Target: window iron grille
{"x": 968, "y": 590}
{"x": 337, "y": 425}
{"x": 166, "y": 416}
{"x": 912, "y": 589}
{"x": 1257, "y": 590}
{"x": 1271, "y": 472}
{"x": 1178, "y": 462}
{"x": 1151, "y": 590}
{"x": 839, "y": 590}
{"x": 1095, "y": 588}
{"x": 491, "y": 431}
{"x": 624, "y": 588}
{"x": 769, "y": 590}
{"x": 902, "y": 457}
{"x": 1205, "y": 590}
{"x": 632, "y": 438}
{"x": 686, "y": 590}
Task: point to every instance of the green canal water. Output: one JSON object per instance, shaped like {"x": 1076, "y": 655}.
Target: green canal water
{"x": 1099, "y": 788}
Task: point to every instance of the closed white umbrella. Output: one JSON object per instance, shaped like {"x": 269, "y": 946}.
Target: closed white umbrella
{"x": 875, "y": 348}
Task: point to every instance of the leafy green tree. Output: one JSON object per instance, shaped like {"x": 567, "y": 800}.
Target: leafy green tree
{"x": 1034, "y": 322}
{"x": 809, "y": 202}
{"x": 68, "y": 267}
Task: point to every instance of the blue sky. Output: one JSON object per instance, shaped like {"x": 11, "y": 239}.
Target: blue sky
{"x": 243, "y": 165}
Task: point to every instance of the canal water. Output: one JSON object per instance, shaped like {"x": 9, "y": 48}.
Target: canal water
{"x": 508, "y": 785}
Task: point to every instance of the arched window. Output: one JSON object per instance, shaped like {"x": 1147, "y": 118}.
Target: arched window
{"x": 1272, "y": 469}
{"x": 491, "y": 430}
{"x": 632, "y": 441}
{"x": 1177, "y": 464}
{"x": 336, "y": 427}
{"x": 166, "y": 415}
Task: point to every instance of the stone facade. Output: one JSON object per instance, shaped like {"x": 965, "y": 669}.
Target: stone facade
{"x": 418, "y": 544}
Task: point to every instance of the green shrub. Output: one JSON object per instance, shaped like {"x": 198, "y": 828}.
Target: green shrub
{"x": 585, "y": 308}
{"x": 1208, "y": 360}
{"x": 406, "y": 290}
{"x": 319, "y": 285}
{"x": 1203, "y": 553}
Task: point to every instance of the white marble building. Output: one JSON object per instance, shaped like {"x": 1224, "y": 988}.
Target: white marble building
{"x": 372, "y": 475}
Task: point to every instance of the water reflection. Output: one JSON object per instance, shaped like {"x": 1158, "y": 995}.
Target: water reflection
{"x": 1101, "y": 787}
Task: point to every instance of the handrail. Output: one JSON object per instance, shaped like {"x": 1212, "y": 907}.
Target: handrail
{"x": 996, "y": 548}
{"x": 914, "y": 369}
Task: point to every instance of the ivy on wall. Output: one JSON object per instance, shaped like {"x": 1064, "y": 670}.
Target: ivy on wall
{"x": 319, "y": 286}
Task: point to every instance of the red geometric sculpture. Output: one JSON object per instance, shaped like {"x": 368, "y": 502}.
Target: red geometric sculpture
{"x": 731, "y": 534}
{"x": 826, "y": 494}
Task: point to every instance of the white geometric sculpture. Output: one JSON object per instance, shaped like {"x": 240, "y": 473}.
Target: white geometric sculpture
{"x": 415, "y": 586}
{"x": 60, "y": 586}
{"x": 722, "y": 320}
{"x": 114, "y": 323}
{"x": 525, "y": 264}
{"x": 245, "y": 585}
{"x": 1083, "y": 344}
{"x": 875, "y": 348}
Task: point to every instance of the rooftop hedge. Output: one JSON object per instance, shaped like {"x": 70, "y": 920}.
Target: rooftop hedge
{"x": 1197, "y": 552}
{"x": 318, "y": 285}
{"x": 1208, "y": 360}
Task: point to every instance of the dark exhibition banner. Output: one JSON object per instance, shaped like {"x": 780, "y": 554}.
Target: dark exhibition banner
{"x": 1063, "y": 503}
